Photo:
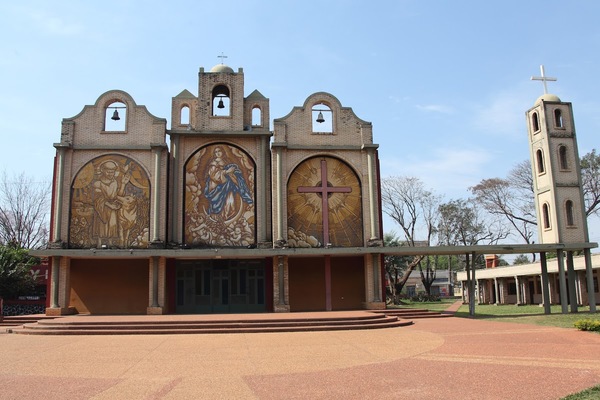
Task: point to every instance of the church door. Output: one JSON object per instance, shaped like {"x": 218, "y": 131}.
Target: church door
{"x": 220, "y": 286}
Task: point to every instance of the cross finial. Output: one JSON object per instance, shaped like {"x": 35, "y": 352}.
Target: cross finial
{"x": 222, "y": 57}
{"x": 543, "y": 78}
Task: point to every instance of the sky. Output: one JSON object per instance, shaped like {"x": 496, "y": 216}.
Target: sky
{"x": 446, "y": 84}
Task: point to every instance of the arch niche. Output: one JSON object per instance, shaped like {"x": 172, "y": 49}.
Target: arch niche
{"x": 110, "y": 204}
{"x": 219, "y": 197}
{"x": 324, "y": 204}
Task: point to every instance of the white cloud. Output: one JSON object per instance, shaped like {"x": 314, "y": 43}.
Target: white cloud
{"x": 504, "y": 113}
{"x": 447, "y": 171}
{"x": 55, "y": 26}
{"x": 438, "y": 108}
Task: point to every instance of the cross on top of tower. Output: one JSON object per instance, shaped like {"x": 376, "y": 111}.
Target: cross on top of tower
{"x": 543, "y": 78}
{"x": 222, "y": 57}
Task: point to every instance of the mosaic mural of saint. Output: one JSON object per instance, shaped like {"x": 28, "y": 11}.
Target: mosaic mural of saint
{"x": 219, "y": 205}
{"x": 110, "y": 204}
{"x": 324, "y": 205}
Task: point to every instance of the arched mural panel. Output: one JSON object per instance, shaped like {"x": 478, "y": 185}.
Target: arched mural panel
{"x": 110, "y": 204}
{"x": 219, "y": 197}
{"x": 324, "y": 205}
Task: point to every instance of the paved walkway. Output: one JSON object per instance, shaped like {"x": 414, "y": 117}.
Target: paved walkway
{"x": 433, "y": 359}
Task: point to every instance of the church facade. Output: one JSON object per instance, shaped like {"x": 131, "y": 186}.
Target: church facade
{"x": 226, "y": 217}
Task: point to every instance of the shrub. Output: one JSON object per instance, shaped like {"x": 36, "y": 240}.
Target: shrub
{"x": 425, "y": 298}
{"x": 588, "y": 325}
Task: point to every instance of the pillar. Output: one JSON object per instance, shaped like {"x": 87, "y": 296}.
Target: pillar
{"x": 60, "y": 287}
{"x": 281, "y": 299}
{"x": 518, "y": 288}
{"x": 374, "y": 234}
{"x": 279, "y": 194}
{"x": 58, "y": 203}
{"x": 496, "y": 292}
{"x": 589, "y": 273}
{"x": 157, "y": 283}
{"x": 562, "y": 281}
{"x": 545, "y": 284}
{"x": 572, "y": 282}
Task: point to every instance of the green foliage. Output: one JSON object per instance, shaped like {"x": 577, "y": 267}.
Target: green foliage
{"x": 588, "y": 325}
{"x": 424, "y": 298}
{"x": 521, "y": 259}
{"x": 592, "y": 393}
{"x": 15, "y": 271}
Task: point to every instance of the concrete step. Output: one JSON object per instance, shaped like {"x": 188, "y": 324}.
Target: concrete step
{"x": 16, "y": 320}
{"x": 131, "y": 326}
{"x": 413, "y": 313}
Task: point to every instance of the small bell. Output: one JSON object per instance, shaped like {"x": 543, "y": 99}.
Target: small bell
{"x": 221, "y": 105}
{"x": 115, "y": 116}
{"x": 320, "y": 118}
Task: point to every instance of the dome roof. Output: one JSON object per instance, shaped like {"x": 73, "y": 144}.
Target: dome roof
{"x": 222, "y": 68}
{"x": 547, "y": 97}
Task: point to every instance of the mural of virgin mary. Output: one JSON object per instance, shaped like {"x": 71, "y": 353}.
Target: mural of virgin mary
{"x": 224, "y": 180}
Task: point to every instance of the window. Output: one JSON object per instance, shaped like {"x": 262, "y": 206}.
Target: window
{"x": 115, "y": 117}
{"x": 322, "y": 118}
{"x": 546, "y": 216}
{"x": 540, "y": 161}
{"x": 562, "y": 157}
{"x": 558, "y": 119}
{"x": 184, "y": 116}
{"x": 535, "y": 123}
{"x": 256, "y": 116}
{"x": 512, "y": 288}
{"x": 569, "y": 213}
{"x": 221, "y": 102}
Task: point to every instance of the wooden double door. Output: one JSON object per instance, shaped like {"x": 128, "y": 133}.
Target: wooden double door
{"x": 220, "y": 286}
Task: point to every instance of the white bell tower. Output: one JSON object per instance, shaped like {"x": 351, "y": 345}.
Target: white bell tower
{"x": 556, "y": 170}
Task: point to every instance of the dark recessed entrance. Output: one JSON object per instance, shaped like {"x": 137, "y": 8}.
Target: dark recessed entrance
{"x": 220, "y": 286}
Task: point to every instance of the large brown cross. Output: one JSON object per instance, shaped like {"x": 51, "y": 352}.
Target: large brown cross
{"x": 324, "y": 189}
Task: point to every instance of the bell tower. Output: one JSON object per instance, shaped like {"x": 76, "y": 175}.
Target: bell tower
{"x": 556, "y": 171}
{"x": 220, "y": 99}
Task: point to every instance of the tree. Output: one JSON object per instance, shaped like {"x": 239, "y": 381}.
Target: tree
{"x": 521, "y": 259}
{"x": 24, "y": 210}
{"x": 414, "y": 209}
{"x": 461, "y": 223}
{"x": 15, "y": 271}
{"x": 590, "y": 180}
{"x": 511, "y": 198}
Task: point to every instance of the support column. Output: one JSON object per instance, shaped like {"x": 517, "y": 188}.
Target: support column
{"x": 261, "y": 205}
{"x": 281, "y": 285}
{"x": 156, "y": 195}
{"x": 328, "y": 283}
{"x": 589, "y": 274}
{"x": 55, "y": 282}
{"x": 545, "y": 286}
{"x": 373, "y": 216}
{"x": 279, "y": 194}
{"x": 174, "y": 227}
{"x": 496, "y": 292}
{"x": 156, "y": 281}
{"x": 60, "y": 287}
{"x": 58, "y": 204}
{"x": 560, "y": 258}
{"x": 518, "y": 287}
{"x": 572, "y": 284}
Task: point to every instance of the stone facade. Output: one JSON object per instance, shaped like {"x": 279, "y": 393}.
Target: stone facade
{"x": 219, "y": 218}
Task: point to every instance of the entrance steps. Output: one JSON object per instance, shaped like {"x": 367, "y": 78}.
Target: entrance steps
{"x": 202, "y": 324}
{"x": 18, "y": 320}
{"x": 413, "y": 313}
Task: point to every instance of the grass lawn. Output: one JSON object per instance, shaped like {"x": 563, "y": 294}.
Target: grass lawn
{"x": 592, "y": 393}
{"x": 433, "y": 306}
{"x": 530, "y": 314}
